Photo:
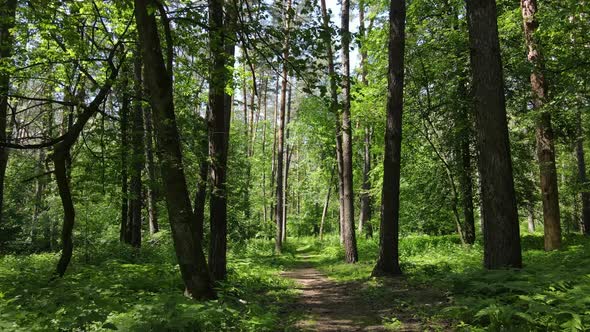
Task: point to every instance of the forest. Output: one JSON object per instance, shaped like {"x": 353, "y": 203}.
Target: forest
{"x": 294, "y": 165}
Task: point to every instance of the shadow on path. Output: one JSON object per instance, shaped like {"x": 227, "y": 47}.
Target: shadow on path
{"x": 327, "y": 305}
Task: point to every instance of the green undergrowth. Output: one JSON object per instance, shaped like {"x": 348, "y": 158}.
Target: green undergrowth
{"x": 551, "y": 292}
{"x": 117, "y": 288}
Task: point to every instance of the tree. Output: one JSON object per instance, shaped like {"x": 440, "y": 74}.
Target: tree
{"x": 280, "y": 190}
{"x": 137, "y": 156}
{"x": 388, "y": 261}
{"x": 544, "y": 130}
{"x": 500, "y": 218}
{"x": 221, "y": 50}
{"x": 158, "y": 76}
{"x": 7, "y": 19}
{"x": 351, "y": 254}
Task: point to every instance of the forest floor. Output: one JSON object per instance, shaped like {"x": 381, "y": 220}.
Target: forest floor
{"x": 331, "y": 305}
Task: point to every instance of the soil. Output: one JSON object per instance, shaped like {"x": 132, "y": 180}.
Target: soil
{"x": 326, "y": 305}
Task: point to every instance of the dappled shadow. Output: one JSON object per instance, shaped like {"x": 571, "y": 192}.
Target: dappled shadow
{"x": 381, "y": 305}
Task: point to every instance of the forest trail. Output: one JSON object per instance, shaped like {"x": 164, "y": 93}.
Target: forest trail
{"x": 327, "y": 305}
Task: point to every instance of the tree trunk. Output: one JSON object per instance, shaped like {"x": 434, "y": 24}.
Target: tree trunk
{"x": 8, "y": 11}
{"x": 189, "y": 251}
{"x": 39, "y": 202}
{"x": 582, "y": 179}
{"x": 137, "y": 157}
{"x": 366, "y": 202}
{"x": 351, "y": 254}
{"x": 222, "y": 46}
{"x": 63, "y": 186}
{"x": 281, "y": 134}
{"x": 326, "y": 202}
{"x": 151, "y": 191}
{"x": 500, "y": 218}
{"x": 124, "y": 125}
{"x": 544, "y": 132}
{"x": 285, "y": 180}
{"x": 388, "y": 261}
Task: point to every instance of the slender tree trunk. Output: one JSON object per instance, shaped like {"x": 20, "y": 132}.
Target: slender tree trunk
{"x": 151, "y": 191}
{"x": 544, "y": 132}
{"x": 582, "y": 178}
{"x": 63, "y": 186}
{"x": 285, "y": 179}
{"x": 500, "y": 218}
{"x": 281, "y": 134}
{"x": 124, "y": 125}
{"x": 326, "y": 203}
{"x": 8, "y": 11}
{"x": 264, "y": 126}
{"x": 350, "y": 249}
{"x": 39, "y": 190}
{"x": 189, "y": 251}
{"x": 201, "y": 195}
{"x": 531, "y": 218}
{"x": 334, "y": 109}
{"x": 137, "y": 157}
{"x": 388, "y": 261}
{"x": 366, "y": 203}
{"x": 273, "y": 167}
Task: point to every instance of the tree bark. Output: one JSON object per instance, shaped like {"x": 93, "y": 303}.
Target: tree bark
{"x": 137, "y": 157}
{"x": 544, "y": 130}
{"x": 325, "y": 209}
{"x": 285, "y": 179}
{"x": 351, "y": 254}
{"x": 124, "y": 127}
{"x": 189, "y": 251}
{"x": 152, "y": 192}
{"x": 366, "y": 203}
{"x": 281, "y": 134}
{"x": 388, "y": 261}
{"x": 8, "y": 11}
{"x": 582, "y": 178}
{"x": 500, "y": 218}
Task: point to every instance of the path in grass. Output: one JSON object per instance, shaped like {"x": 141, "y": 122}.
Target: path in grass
{"x": 326, "y": 305}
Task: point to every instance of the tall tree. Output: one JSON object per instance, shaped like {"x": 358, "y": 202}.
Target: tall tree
{"x": 152, "y": 183}
{"x": 137, "y": 156}
{"x": 124, "y": 128}
{"x": 158, "y": 77}
{"x": 7, "y": 19}
{"x": 500, "y": 218}
{"x": 351, "y": 254}
{"x": 366, "y": 203}
{"x": 388, "y": 261}
{"x": 280, "y": 190}
{"x": 544, "y": 130}
{"x": 222, "y": 45}
{"x": 582, "y": 178}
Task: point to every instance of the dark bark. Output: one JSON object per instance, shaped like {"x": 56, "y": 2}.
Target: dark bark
{"x": 221, "y": 48}
{"x": 201, "y": 194}
{"x": 388, "y": 261}
{"x": 63, "y": 186}
{"x": 8, "y": 11}
{"x": 500, "y": 218}
{"x": 189, "y": 251}
{"x": 544, "y": 130}
{"x": 582, "y": 178}
{"x": 137, "y": 158}
{"x": 124, "y": 125}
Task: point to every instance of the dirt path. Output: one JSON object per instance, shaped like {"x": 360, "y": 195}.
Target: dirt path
{"x": 332, "y": 306}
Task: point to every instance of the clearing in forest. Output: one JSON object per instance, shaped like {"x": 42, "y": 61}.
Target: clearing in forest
{"x": 373, "y": 305}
